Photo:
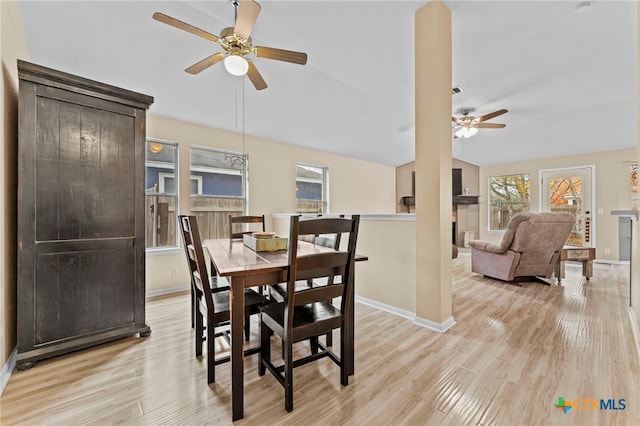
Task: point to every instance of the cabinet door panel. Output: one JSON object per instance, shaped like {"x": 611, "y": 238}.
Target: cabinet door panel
{"x": 85, "y": 183}
{"x": 90, "y": 173}
{"x": 69, "y": 184}
{"x": 47, "y": 155}
{"x": 78, "y": 293}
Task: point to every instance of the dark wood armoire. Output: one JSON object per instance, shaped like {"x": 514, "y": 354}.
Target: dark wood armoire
{"x": 81, "y": 222}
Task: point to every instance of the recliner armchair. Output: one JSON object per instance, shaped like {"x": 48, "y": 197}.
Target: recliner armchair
{"x": 530, "y": 247}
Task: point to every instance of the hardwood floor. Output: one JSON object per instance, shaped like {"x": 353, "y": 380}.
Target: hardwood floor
{"x": 512, "y": 353}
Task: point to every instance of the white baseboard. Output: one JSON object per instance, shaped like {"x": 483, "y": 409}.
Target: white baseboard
{"x": 431, "y": 325}
{"x": 7, "y": 370}
{"x": 165, "y": 291}
{"x": 386, "y": 308}
{"x": 434, "y": 326}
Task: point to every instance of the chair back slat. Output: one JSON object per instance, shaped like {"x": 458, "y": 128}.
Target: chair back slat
{"x": 198, "y": 280}
{"x": 320, "y": 225}
{"x": 321, "y": 265}
{"x": 241, "y": 220}
{"x": 191, "y": 253}
{"x": 318, "y": 294}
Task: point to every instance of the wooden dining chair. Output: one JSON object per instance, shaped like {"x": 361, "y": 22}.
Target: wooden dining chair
{"x": 309, "y": 312}
{"x": 217, "y": 283}
{"x": 212, "y": 304}
{"x": 279, "y": 291}
{"x": 235, "y": 220}
{"x": 242, "y": 220}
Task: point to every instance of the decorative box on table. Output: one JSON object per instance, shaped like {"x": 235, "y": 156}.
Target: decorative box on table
{"x": 273, "y": 243}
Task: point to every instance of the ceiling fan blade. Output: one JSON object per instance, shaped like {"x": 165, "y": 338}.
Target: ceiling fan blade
{"x": 161, "y": 17}
{"x": 247, "y": 15}
{"x": 280, "y": 55}
{"x": 205, "y": 63}
{"x": 456, "y": 120}
{"x": 489, "y": 125}
{"x": 255, "y": 77}
{"x": 491, "y": 115}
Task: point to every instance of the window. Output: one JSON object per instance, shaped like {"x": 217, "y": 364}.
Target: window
{"x": 508, "y": 195}
{"x": 570, "y": 190}
{"x": 161, "y": 195}
{"x": 167, "y": 184}
{"x": 218, "y": 189}
{"x": 311, "y": 189}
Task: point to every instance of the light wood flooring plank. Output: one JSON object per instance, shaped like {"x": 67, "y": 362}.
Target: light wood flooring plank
{"x": 512, "y": 353}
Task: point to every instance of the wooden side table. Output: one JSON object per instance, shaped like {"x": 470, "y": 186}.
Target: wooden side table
{"x": 576, "y": 254}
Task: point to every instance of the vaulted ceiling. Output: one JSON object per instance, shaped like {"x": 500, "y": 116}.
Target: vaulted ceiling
{"x": 568, "y": 75}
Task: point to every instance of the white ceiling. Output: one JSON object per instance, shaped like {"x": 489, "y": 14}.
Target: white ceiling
{"x": 569, "y": 78}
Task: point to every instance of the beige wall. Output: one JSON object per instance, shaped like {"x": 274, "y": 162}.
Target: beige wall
{"x": 388, "y": 278}
{"x": 355, "y": 186}
{"x": 13, "y": 47}
{"x": 635, "y": 227}
{"x": 612, "y": 191}
{"x": 467, "y": 217}
{"x": 404, "y": 186}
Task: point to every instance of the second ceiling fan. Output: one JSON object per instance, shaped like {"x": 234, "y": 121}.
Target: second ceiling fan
{"x": 236, "y": 43}
{"x": 468, "y": 125}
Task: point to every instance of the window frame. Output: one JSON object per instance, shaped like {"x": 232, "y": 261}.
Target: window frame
{"x": 176, "y": 176}
{"x": 162, "y": 176}
{"x": 324, "y": 182}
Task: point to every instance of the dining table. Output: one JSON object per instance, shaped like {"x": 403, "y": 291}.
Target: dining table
{"x": 245, "y": 268}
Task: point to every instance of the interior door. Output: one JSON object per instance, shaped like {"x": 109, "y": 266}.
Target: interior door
{"x": 571, "y": 190}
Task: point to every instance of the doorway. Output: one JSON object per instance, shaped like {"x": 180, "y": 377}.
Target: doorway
{"x": 571, "y": 190}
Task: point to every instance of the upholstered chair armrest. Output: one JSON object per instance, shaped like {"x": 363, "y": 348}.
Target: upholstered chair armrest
{"x": 486, "y": 246}
{"x": 497, "y": 265}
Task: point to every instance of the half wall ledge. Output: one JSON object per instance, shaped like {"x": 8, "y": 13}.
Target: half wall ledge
{"x": 633, "y": 214}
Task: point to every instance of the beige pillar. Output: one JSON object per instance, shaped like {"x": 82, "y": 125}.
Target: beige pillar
{"x": 635, "y": 228}
{"x": 433, "y": 165}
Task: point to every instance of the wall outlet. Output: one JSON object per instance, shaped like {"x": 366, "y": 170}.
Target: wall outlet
{"x": 607, "y": 250}
{"x": 174, "y": 272}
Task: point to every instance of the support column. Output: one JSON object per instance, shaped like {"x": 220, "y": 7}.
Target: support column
{"x": 635, "y": 227}
{"x": 433, "y": 165}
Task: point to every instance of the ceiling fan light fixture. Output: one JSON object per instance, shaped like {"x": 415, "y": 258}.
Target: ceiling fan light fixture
{"x": 466, "y": 132}
{"x": 236, "y": 65}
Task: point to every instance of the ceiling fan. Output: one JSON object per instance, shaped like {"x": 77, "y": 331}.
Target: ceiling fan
{"x": 236, "y": 43}
{"x": 468, "y": 125}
